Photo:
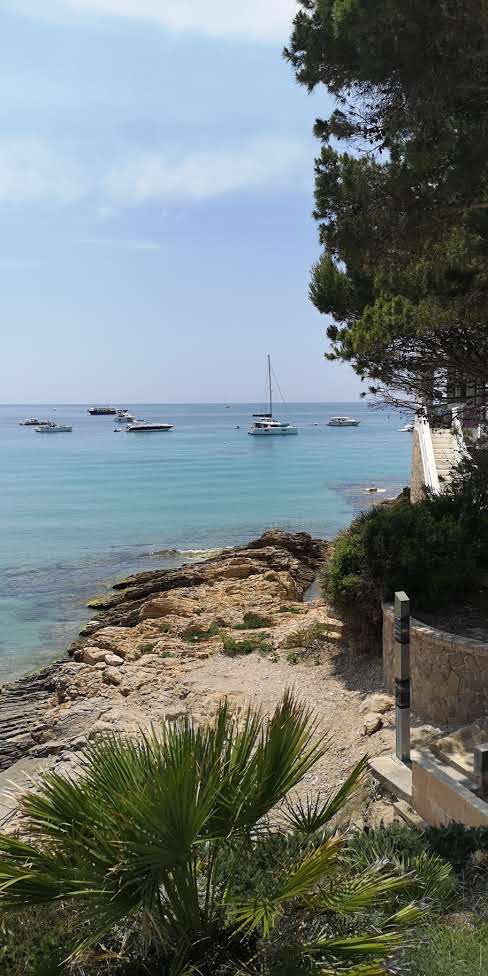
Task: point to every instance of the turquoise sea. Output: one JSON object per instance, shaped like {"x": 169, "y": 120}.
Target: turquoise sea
{"x": 79, "y": 510}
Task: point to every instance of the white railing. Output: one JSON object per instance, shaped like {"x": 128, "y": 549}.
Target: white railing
{"x": 431, "y": 478}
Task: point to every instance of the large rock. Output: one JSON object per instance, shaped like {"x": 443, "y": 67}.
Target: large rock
{"x": 93, "y": 654}
{"x": 164, "y": 606}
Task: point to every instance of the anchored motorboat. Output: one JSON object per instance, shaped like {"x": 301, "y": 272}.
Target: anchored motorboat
{"x": 32, "y": 422}
{"x": 54, "y": 429}
{"x": 141, "y": 427}
{"x": 102, "y": 411}
{"x": 407, "y": 429}
{"x": 343, "y": 422}
{"x": 125, "y": 416}
{"x": 265, "y": 424}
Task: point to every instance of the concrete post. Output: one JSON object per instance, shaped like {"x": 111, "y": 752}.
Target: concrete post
{"x": 402, "y": 676}
{"x": 481, "y": 767}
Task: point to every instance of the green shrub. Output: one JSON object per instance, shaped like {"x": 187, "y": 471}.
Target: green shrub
{"x": 407, "y": 850}
{"x": 456, "y": 843}
{"x": 293, "y": 657}
{"x": 165, "y": 628}
{"x": 426, "y": 549}
{"x": 306, "y": 635}
{"x": 252, "y": 621}
{"x": 194, "y": 634}
{"x": 296, "y": 610}
{"x": 147, "y": 647}
{"x": 232, "y": 647}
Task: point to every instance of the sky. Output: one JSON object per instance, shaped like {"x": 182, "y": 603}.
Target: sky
{"x": 156, "y": 189}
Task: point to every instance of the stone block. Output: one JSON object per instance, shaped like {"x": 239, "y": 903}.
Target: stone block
{"x": 93, "y": 654}
{"x": 113, "y": 660}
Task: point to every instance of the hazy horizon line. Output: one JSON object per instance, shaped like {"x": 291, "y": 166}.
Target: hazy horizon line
{"x": 167, "y": 403}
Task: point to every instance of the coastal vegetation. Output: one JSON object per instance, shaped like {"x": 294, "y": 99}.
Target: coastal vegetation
{"x": 162, "y": 851}
{"x": 253, "y": 621}
{"x": 400, "y": 187}
{"x": 306, "y": 636}
{"x": 435, "y": 550}
{"x": 232, "y": 647}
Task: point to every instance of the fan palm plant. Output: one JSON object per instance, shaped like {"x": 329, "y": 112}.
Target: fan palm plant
{"x": 152, "y": 832}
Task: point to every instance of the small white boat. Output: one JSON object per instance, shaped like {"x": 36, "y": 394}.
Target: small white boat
{"x": 407, "y": 429}
{"x": 264, "y": 424}
{"x": 54, "y": 429}
{"x": 142, "y": 427}
{"x": 343, "y": 422}
{"x": 125, "y": 416}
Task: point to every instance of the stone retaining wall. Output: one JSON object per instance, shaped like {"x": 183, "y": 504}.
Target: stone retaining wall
{"x": 449, "y": 673}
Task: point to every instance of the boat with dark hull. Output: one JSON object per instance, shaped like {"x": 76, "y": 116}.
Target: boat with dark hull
{"x": 146, "y": 428}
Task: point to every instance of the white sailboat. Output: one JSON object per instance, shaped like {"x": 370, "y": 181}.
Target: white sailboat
{"x": 264, "y": 424}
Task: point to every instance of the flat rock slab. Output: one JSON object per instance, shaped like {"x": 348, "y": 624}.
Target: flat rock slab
{"x": 13, "y": 781}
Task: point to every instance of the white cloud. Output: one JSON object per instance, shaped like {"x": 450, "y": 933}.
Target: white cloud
{"x": 30, "y": 170}
{"x": 150, "y": 176}
{"x": 268, "y": 20}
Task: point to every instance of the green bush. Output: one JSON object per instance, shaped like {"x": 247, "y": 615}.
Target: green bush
{"x": 194, "y": 634}
{"x": 456, "y": 843}
{"x": 306, "y": 636}
{"x": 232, "y": 647}
{"x": 406, "y": 850}
{"x": 430, "y": 550}
{"x": 252, "y": 621}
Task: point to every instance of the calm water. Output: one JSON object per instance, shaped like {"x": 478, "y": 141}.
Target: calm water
{"x": 78, "y": 510}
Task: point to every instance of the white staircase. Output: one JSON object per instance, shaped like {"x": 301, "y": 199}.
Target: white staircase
{"x": 446, "y": 454}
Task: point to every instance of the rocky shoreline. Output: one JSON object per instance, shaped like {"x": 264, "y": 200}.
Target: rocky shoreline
{"x": 128, "y": 662}
{"x": 170, "y": 642}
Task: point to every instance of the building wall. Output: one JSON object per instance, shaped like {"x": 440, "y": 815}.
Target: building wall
{"x": 417, "y": 484}
{"x": 449, "y": 673}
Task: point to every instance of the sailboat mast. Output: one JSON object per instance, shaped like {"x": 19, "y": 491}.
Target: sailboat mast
{"x": 270, "y": 394}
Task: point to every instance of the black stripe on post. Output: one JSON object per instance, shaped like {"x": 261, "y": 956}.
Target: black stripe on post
{"x": 402, "y": 692}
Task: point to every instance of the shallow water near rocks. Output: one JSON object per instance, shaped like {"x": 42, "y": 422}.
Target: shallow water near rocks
{"x": 82, "y": 509}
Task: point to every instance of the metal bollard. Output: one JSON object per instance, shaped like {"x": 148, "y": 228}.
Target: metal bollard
{"x": 402, "y": 676}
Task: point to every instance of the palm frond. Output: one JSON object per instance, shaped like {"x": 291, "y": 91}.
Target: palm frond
{"x": 264, "y": 911}
{"x": 313, "y": 814}
{"x": 370, "y": 969}
{"x": 380, "y": 945}
{"x": 363, "y": 891}
{"x": 405, "y": 916}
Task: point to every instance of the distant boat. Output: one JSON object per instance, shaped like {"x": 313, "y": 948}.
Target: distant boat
{"x": 32, "y": 422}
{"x": 343, "y": 422}
{"x": 142, "y": 427}
{"x": 54, "y": 429}
{"x": 407, "y": 429}
{"x": 265, "y": 424}
{"x": 125, "y": 416}
{"x": 102, "y": 411}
